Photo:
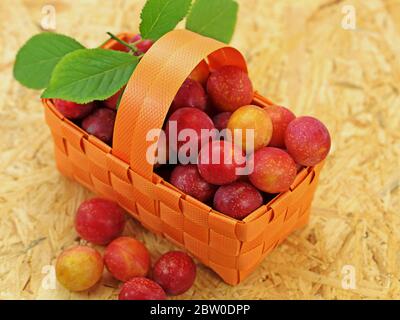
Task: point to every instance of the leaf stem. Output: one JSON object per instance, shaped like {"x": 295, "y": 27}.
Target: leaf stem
{"x": 132, "y": 47}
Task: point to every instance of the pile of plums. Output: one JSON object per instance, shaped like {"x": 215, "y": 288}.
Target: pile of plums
{"x": 101, "y": 222}
{"x": 281, "y": 144}
{"x": 223, "y": 100}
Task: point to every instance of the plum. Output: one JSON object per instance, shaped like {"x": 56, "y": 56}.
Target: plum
{"x": 308, "y": 141}
{"x": 188, "y": 179}
{"x": 142, "y": 47}
{"x": 237, "y": 199}
{"x": 252, "y": 118}
{"x": 230, "y": 88}
{"x": 175, "y": 272}
{"x": 221, "y": 120}
{"x": 191, "y": 94}
{"x": 219, "y": 161}
{"x": 100, "y": 124}
{"x": 72, "y": 110}
{"x": 201, "y": 73}
{"x": 99, "y": 221}
{"x": 281, "y": 117}
{"x": 274, "y": 170}
{"x": 189, "y": 118}
{"x": 79, "y": 268}
{"x": 127, "y": 258}
{"x": 120, "y": 47}
{"x": 112, "y": 101}
{"x": 140, "y": 288}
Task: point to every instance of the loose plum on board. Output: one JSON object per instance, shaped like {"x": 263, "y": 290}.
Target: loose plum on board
{"x": 191, "y": 94}
{"x": 175, "y": 272}
{"x": 127, "y": 258}
{"x": 72, "y": 110}
{"x": 274, "y": 170}
{"x": 141, "y": 289}
{"x": 188, "y": 179}
{"x": 253, "y": 118}
{"x": 189, "y": 118}
{"x": 79, "y": 268}
{"x": 99, "y": 221}
{"x": 201, "y": 73}
{"x": 307, "y": 141}
{"x": 281, "y": 117}
{"x": 237, "y": 200}
{"x": 100, "y": 124}
{"x": 230, "y": 88}
{"x": 221, "y": 120}
{"x": 218, "y": 162}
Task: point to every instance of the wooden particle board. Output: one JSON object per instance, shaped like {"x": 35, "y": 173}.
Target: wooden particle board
{"x": 300, "y": 56}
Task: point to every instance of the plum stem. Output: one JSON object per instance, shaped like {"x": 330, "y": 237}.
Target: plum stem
{"x": 132, "y": 46}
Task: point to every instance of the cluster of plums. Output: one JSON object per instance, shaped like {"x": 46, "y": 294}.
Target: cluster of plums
{"x": 101, "y": 222}
{"x": 282, "y": 144}
{"x": 223, "y": 99}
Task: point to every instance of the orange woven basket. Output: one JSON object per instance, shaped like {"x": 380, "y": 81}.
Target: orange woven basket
{"x": 232, "y": 248}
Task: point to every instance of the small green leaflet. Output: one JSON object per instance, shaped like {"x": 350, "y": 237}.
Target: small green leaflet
{"x": 161, "y": 16}
{"x": 37, "y": 58}
{"x": 215, "y": 19}
{"x": 90, "y": 74}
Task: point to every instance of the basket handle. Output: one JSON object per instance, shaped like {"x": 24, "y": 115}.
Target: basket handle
{"x": 153, "y": 86}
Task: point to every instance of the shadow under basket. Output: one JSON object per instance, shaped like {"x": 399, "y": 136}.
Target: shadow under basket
{"x": 232, "y": 248}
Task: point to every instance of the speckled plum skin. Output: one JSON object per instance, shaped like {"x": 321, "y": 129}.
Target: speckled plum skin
{"x": 190, "y": 118}
{"x": 221, "y": 120}
{"x": 188, "y": 179}
{"x": 127, "y": 258}
{"x": 237, "y": 200}
{"x": 191, "y": 94}
{"x": 281, "y": 117}
{"x": 230, "y": 88}
{"x": 274, "y": 170}
{"x": 73, "y": 111}
{"x": 307, "y": 141}
{"x": 223, "y": 172}
{"x": 100, "y": 124}
{"x": 253, "y": 118}
{"x": 201, "y": 73}
{"x": 99, "y": 221}
{"x": 175, "y": 272}
{"x": 141, "y": 289}
{"x": 79, "y": 268}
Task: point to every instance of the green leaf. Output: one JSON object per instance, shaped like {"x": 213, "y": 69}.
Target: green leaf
{"x": 215, "y": 19}
{"x": 161, "y": 16}
{"x": 90, "y": 74}
{"x": 37, "y": 58}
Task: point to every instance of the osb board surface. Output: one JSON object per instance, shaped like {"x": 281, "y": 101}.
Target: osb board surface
{"x": 299, "y": 56}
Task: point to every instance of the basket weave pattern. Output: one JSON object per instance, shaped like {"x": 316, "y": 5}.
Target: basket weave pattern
{"x": 232, "y": 248}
